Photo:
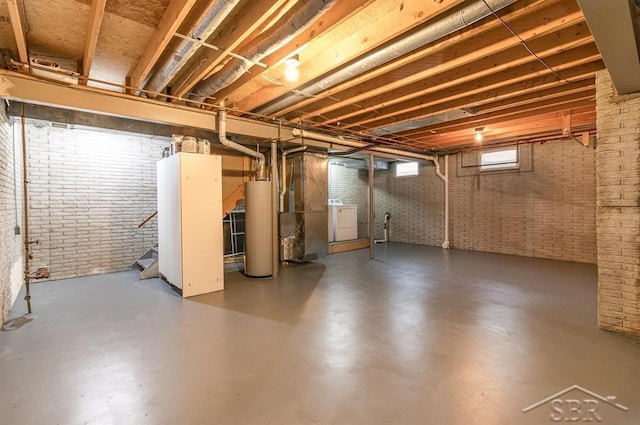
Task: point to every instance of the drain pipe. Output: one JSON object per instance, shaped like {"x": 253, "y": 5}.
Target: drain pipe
{"x": 284, "y": 30}
{"x": 222, "y": 137}
{"x": 207, "y": 25}
{"x": 296, "y": 132}
{"x": 448, "y": 24}
{"x": 25, "y": 194}
{"x": 387, "y": 216}
{"x": 283, "y": 173}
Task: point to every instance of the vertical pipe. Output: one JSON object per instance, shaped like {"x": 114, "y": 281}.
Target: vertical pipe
{"x": 275, "y": 235}
{"x": 445, "y": 243}
{"x": 371, "y": 210}
{"x": 25, "y": 195}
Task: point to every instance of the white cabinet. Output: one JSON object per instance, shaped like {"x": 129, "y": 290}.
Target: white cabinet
{"x": 190, "y": 238}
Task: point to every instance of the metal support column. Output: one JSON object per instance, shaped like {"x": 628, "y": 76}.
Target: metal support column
{"x": 371, "y": 210}
{"x": 275, "y": 235}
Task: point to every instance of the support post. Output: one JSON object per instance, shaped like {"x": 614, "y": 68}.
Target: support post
{"x": 445, "y": 243}
{"x": 371, "y": 208}
{"x": 275, "y": 235}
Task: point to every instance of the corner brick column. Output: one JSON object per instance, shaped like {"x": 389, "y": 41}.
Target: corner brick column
{"x": 618, "y": 213}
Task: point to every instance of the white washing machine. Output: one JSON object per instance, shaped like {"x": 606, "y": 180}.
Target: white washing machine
{"x": 343, "y": 221}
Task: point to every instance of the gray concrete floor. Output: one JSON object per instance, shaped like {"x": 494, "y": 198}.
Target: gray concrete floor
{"x": 418, "y": 336}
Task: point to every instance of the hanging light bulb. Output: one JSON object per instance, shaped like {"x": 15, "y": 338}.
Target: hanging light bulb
{"x": 292, "y": 73}
{"x": 479, "y": 137}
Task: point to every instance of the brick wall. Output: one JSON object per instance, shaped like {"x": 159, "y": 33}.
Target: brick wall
{"x": 351, "y": 185}
{"x": 415, "y": 204}
{"x": 11, "y": 260}
{"x": 618, "y": 171}
{"x": 88, "y": 192}
{"x": 546, "y": 209}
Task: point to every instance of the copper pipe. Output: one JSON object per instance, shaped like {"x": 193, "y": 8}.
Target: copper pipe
{"x": 146, "y": 220}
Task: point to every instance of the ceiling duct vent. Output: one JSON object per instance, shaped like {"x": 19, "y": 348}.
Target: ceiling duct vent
{"x": 50, "y": 69}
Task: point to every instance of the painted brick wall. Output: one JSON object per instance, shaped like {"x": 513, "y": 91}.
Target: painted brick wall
{"x": 415, "y": 203}
{"x": 352, "y": 187}
{"x": 618, "y": 171}
{"x": 547, "y": 209}
{"x": 88, "y": 192}
{"x": 11, "y": 258}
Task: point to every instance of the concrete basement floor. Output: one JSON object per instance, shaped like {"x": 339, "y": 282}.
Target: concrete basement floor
{"x": 418, "y": 336}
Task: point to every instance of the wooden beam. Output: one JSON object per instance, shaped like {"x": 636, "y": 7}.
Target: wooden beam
{"x": 478, "y": 97}
{"x": 93, "y": 33}
{"x": 566, "y": 123}
{"x": 451, "y": 49}
{"x": 336, "y": 247}
{"x": 18, "y": 29}
{"x": 510, "y": 125}
{"x": 494, "y": 118}
{"x": 174, "y": 15}
{"x": 533, "y": 125}
{"x": 536, "y": 126}
{"x": 354, "y": 37}
{"x": 569, "y": 62}
{"x": 581, "y": 76}
{"x": 246, "y": 21}
{"x": 339, "y": 12}
{"x": 232, "y": 200}
{"x": 481, "y": 55}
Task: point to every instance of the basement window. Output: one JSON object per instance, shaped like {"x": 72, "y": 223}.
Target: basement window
{"x": 499, "y": 159}
{"x": 404, "y": 169}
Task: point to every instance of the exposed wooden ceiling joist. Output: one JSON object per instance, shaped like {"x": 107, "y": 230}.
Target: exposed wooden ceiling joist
{"x": 15, "y": 14}
{"x": 521, "y": 75}
{"x": 480, "y": 75}
{"x": 93, "y": 33}
{"x": 485, "y": 54}
{"x": 247, "y": 20}
{"x": 337, "y": 15}
{"x": 435, "y": 58}
{"x": 390, "y": 21}
{"x": 549, "y": 124}
{"x": 171, "y": 20}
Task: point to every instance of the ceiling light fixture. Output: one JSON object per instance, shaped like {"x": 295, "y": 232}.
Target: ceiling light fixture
{"x": 479, "y": 131}
{"x": 292, "y": 73}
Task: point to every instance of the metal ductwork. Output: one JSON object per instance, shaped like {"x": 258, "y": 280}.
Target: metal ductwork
{"x": 289, "y": 26}
{"x": 453, "y": 21}
{"x": 208, "y": 23}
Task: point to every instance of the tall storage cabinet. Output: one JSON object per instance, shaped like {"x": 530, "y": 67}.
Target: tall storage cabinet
{"x": 191, "y": 246}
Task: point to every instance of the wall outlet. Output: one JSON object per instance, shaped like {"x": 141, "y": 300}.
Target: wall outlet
{"x": 16, "y": 230}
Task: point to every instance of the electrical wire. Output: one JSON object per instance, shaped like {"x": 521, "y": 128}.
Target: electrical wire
{"x": 525, "y": 45}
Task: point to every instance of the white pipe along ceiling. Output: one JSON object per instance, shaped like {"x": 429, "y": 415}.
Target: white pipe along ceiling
{"x": 222, "y": 137}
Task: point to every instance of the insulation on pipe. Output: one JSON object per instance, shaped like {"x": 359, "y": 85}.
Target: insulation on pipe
{"x": 289, "y": 26}
{"x": 208, "y": 23}
{"x": 454, "y": 21}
